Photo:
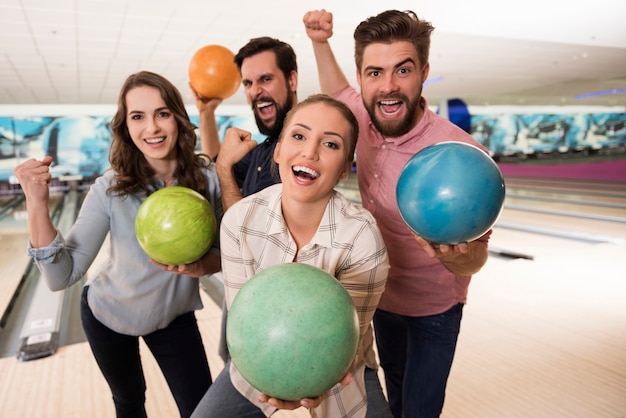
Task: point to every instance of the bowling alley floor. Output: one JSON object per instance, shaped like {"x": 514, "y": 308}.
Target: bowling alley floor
{"x": 543, "y": 335}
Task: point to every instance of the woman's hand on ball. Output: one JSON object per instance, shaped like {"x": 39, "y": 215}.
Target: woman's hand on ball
{"x": 208, "y": 264}
{"x": 309, "y": 403}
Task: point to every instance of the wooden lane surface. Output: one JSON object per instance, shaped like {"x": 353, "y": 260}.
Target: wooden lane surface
{"x": 540, "y": 338}
{"x": 13, "y": 262}
{"x": 69, "y": 384}
{"x": 13, "y": 257}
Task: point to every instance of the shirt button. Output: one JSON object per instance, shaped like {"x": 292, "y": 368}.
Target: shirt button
{"x": 376, "y": 175}
{"x": 384, "y": 146}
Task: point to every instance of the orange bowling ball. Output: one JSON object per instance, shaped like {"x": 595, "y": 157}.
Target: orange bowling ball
{"x": 213, "y": 72}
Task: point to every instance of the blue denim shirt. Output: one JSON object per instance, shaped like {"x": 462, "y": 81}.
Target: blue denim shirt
{"x": 254, "y": 172}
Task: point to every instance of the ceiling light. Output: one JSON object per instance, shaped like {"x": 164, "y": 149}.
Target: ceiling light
{"x": 600, "y": 93}
{"x": 433, "y": 80}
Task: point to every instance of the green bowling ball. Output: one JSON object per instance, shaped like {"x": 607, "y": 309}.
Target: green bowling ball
{"x": 175, "y": 225}
{"x": 292, "y": 331}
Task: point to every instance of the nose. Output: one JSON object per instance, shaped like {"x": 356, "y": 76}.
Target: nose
{"x": 254, "y": 90}
{"x": 310, "y": 150}
{"x": 388, "y": 83}
{"x": 153, "y": 125}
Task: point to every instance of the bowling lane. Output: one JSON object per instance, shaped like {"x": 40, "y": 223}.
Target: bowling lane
{"x": 550, "y": 214}
{"x": 596, "y": 210}
{"x": 27, "y": 307}
{"x": 551, "y": 224}
{"x": 541, "y": 337}
{"x": 14, "y": 260}
{"x": 560, "y": 184}
{"x": 13, "y": 242}
{"x": 607, "y": 198}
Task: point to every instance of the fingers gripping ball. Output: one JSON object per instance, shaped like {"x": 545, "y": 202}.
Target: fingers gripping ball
{"x": 213, "y": 72}
{"x": 292, "y": 331}
{"x": 450, "y": 193}
{"x": 175, "y": 225}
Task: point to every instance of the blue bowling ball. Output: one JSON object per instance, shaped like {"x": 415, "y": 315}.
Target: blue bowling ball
{"x": 450, "y": 192}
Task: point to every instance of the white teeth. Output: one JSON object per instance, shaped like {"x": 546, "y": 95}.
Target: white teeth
{"x": 155, "y": 140}
{"x": 264, "y": 104}
{"x": 388, "y": 102}
{"x": 307, "y": 170}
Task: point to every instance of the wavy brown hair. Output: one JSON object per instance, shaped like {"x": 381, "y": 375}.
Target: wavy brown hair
{"x": 133, "y": 173}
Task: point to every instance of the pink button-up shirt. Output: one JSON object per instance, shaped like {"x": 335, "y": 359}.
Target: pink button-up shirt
{"x": 417, "y": 285}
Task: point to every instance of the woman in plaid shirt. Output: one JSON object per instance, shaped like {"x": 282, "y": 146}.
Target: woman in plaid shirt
{"x": 304, "y": 220}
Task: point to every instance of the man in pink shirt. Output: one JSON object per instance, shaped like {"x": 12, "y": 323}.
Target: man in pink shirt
{"x": 419, "y": 315}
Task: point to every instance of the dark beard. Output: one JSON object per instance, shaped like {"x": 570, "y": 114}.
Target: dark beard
{"x": 395, "y": 128}
{"x": 281, "y": 113}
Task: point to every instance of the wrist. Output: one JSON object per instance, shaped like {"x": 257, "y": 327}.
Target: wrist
{"x": 222, "y": 166}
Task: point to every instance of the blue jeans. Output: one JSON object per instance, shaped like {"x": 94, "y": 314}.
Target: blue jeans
{"x": 224, "y": 401}
{"x": 416, "y": 354}
{"x": 178, "y": 350}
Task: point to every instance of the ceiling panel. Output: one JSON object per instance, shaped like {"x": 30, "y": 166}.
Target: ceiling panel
{"x": 483, "y": 51}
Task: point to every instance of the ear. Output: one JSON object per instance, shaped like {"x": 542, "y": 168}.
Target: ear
{"x": 358, "y": 78}
{"x": 425, "y": 72}
{"x": 276, "y": 155}
{"x": 293, "y": 81}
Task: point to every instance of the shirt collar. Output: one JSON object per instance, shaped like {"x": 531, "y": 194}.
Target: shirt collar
{"x": 324, "y": 234}
{"x": 278, "y": 225}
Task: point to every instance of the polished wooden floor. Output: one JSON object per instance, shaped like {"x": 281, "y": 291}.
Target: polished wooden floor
{"x": 542, "y": 336}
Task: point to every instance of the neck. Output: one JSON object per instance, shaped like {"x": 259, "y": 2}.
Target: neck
{"x": 303, "y": 218}
{"x": 164, "y": 171}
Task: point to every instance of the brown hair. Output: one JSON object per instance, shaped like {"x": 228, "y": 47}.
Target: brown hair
{"x": 133, "y": 173}
{"x": 392, "y": 26}
{"x": 285, "y": 55}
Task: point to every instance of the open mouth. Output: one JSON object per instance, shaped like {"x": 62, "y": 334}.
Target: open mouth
{"x": 155, "y": 140}
{"x": 305, "y": 173}
{"x": 265, "y": 108}
{"x": 390, "y": 107}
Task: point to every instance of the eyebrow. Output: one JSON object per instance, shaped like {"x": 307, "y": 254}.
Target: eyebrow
{"x": 332, "y": 133}
{"x": 398, "y": 65}
{"x": 157, "y": 110}
{"x": 259, "y": 77}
